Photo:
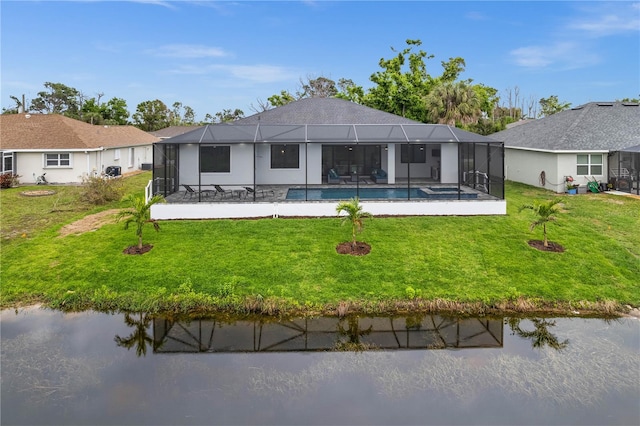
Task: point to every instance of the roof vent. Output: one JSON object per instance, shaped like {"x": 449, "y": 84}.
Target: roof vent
{"x": 605, "y": 103}
{"x": 630, "y": 104}
{"x": 27, "y": 116}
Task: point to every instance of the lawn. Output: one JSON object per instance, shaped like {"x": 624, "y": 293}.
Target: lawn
{"x": 268, "y": 265}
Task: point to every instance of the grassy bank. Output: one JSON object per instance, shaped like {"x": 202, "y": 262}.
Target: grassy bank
{"x": 474, "y": 264}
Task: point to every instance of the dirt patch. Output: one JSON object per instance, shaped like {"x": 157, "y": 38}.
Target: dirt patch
{"x": 38, "y": 193}
{"x": 360, "y": 249}
{"x": 93, "y": 222}
{"x": 539, "y": 245}
{"x": 135, "y": 250}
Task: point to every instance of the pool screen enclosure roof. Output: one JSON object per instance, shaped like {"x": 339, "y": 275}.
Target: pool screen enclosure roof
{"x": 327, "y": 134}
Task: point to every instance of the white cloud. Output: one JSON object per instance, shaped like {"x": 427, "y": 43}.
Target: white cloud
{"x": 259, "y": 73}
{"x": 565, "y": 55}
{"x": 612, "y": 18}
{"x": 188, "y": 51}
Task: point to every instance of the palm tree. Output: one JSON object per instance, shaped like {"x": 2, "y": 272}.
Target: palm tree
{"x": 139, "y": 337}
{"x": 545, "y": 212}
{"x": 139, "y": 214}
{"x": 540, "y": 336}
{"x": 354, "y": 215}
{"x": 449, "y": 103}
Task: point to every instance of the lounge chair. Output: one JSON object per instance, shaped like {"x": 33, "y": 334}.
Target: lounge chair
{"x": 333, "y": 176}
{"x": 379, "y": 176}
{"x": 262, "y": 192}
{"x": 191, "y": 192}
{"x": 220, "y": 190}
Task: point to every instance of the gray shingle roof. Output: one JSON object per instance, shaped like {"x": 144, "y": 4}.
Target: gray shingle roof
{"x": 593, "y": 126}
{"x": 324, "y": 111}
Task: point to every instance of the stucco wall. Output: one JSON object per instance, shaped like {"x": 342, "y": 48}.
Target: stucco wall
{"x": 525, "y": 166}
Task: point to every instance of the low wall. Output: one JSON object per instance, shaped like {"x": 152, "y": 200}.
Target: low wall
{"x": 326, "y": 209}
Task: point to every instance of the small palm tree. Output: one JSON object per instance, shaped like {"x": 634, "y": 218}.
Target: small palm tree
{"x": 139, "y": 214}
{"x": 354, "y": 215}
{"x": 545, "y": 212}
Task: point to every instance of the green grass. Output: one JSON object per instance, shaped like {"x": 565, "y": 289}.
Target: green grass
{"x": 275, "y": 264}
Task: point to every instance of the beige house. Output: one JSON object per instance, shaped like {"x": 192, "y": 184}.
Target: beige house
{"x": 68, "y": 150}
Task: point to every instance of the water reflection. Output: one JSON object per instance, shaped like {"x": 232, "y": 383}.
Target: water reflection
{"x": 325, "y": 334}
{"x": 540, "y": 335}
{"x": 139, "y": 338}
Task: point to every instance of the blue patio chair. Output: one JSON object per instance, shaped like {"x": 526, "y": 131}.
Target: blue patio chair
{"x": 333, "y": 176}
{"x": 379, "y": 176}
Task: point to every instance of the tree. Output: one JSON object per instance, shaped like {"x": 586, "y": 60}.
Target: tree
{"x": 15, "y": 110}
{"x": 452, "y": 103}
{"x": 282, "y": 99}
{"x": 545, "y": 211}
{"x": 152, "y": 115}
{"x": 349, "y": 91}
{"x": 551, "y": 105}
{"x": 402, "y": 85}
{"x": 139, "y": 214}
{"x": 354, "y": 215}
{"x": 320, "y": 87}
{"x": 59, "y": 99}
{"x": 139, "y": 337}
{"x": 115, "y": 112}
{"x": 540, "y": 335}
{"x": 226, "y": 115}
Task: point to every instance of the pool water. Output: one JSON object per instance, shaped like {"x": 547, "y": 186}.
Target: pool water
{"x": 363, "y": 193}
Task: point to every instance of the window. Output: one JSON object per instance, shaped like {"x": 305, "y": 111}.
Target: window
{"x": 57, "y": 160}
{"x": 7, "y": 162}
{"x": 215, "y": 159}
{"x": 417, "y": 153}
{"x": 589, "y": 164}
{"x": 116, "y": 154}
{"x": 285, "y": 156}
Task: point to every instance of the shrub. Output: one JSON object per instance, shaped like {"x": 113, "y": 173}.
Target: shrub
{"x": 97, "y": 190}
{"x": 8, "y": 180}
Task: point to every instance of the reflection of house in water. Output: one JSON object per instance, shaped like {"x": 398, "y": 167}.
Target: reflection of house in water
{"x": 325, "y": 334}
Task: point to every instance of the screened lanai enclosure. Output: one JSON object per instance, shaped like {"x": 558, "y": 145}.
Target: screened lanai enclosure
{"x": 624, "y": 170}
{"x": 278, "y": 170}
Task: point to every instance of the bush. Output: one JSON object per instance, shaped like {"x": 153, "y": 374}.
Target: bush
{"x": 98, "y": 190}
{"x": 8, "y": 180}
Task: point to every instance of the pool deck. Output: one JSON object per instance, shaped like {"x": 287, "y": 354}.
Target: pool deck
{"x": 273, "y": 203}
{"x": 278, "y": 193}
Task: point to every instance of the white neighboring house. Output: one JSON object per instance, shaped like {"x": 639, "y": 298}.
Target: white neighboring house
{"x": 578, "y": 142}
{"x": 68, "y": 150}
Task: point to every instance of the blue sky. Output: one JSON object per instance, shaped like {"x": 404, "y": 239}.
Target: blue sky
{"x": 226, "y": 55}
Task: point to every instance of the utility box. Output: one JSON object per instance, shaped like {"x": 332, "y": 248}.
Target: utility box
{"x": 146, "y": 166}
{"x": 113, "y": 171}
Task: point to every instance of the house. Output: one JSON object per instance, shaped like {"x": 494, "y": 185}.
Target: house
{"x": 319, "y": 149}
{"x": 577, "y": 144}
{"x": 68, "y": 150}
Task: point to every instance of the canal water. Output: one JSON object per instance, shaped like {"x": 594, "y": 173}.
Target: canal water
{"x": 104, "y": 369}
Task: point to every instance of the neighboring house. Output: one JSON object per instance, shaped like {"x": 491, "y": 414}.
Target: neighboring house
{"x": 577, "y": 143}
{"x": 323, "y": 141}
{"x": 68, "y": 150}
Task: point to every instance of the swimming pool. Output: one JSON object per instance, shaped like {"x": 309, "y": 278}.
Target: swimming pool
{"x": 376, "y": 193}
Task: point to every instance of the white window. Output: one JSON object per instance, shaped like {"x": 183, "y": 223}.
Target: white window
{"x": 132, "y": 156}
{"x": 116, "y": 154}
{"x": 589, "y": 164}
{"x": 57, "y": 160}
{"x": 7, "y": 162}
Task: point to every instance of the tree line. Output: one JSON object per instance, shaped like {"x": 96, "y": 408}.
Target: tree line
{"x": 403, "y": 86}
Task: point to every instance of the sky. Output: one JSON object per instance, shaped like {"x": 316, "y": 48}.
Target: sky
{"x": 214, "y": 55}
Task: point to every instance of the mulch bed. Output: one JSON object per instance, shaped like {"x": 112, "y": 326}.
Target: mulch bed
{"x": 360, "y": 248}
{"x": 135, "y": 250}
{"x": 539, "y": 245}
